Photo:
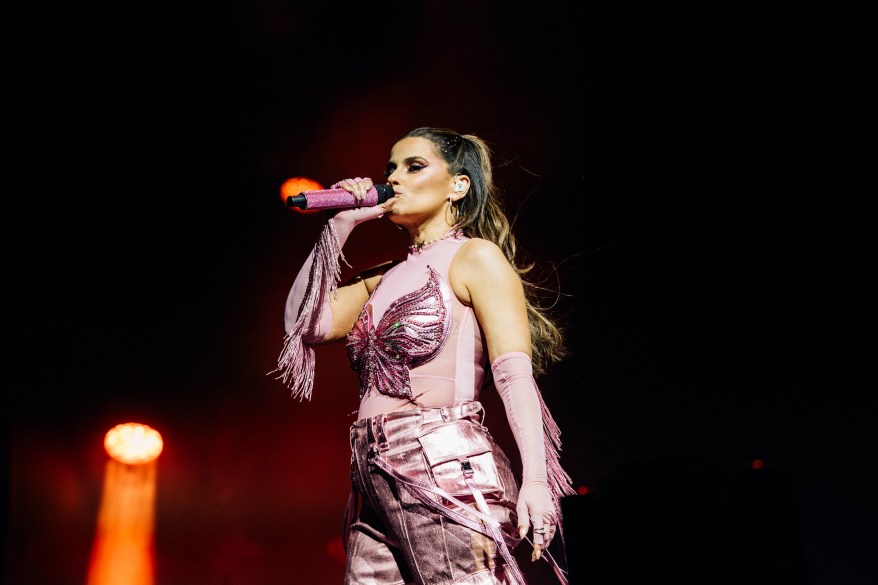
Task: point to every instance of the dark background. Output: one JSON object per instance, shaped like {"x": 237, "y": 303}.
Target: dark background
{"x": 650, "y": 157}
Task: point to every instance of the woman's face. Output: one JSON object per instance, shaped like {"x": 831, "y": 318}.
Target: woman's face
{"x": 420, "y": 179}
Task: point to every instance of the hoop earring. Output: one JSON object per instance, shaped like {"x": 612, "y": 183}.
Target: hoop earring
{"x": 451, "y": 207}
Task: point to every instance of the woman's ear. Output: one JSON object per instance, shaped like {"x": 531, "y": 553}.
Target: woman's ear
{"x": 461, "y": 184}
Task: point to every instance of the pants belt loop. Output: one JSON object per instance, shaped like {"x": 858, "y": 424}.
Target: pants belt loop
{"x": 380, "y": 435}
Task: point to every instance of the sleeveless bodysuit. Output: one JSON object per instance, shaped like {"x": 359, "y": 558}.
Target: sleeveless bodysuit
{"x": 415, "y": 344}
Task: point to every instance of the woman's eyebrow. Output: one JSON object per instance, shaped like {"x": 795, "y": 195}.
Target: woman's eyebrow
{"x": 406, "y": 161}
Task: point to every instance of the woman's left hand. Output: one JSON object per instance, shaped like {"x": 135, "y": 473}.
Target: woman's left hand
{"x": 536, "y": 508}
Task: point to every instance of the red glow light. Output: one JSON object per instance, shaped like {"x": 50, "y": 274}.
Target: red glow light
{"x": 335, "y": 549}
{"x": 757, "y": 464}
{"x": 582, "y": 490}
{"x": 296, "y": 185}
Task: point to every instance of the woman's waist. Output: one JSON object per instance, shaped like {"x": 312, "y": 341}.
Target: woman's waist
{"x": 399, "y": 427}
{"x": 424, "y": 394}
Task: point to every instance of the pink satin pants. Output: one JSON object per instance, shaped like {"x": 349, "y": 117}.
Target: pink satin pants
{"x": 395, "y": 538}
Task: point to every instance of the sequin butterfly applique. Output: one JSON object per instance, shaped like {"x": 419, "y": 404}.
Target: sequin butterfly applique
{"x": 412, "y": 330}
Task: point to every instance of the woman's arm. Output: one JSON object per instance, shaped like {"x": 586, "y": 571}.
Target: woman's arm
{"x": 336, "y": 314}
{"x": 317, "y": 309}
{"x": 486, "y": 280}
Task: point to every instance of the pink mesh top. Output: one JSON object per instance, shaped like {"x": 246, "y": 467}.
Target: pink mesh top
{"x": 414, "y": 340}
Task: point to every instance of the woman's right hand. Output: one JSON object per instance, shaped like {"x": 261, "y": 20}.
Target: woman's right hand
{"x": 353, "y": 216}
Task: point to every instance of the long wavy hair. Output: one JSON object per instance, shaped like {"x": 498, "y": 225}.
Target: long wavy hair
{"x": 480, "y": 215}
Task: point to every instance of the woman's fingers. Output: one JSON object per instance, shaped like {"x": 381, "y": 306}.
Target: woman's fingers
{"x": 358, "y": 186}
{"x": 543, "y": 536}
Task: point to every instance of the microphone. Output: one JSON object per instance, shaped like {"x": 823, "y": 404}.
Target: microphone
{"x": 339, "y": 198}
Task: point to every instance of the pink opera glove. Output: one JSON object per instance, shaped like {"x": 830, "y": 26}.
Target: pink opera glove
{"x": 537, "y": 436}
{"x": 307, "y": 313}
{"x": 343, "y": 223}
{"x": 319, "y": 326}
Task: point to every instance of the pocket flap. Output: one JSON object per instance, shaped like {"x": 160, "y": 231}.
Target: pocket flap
{"x": 455, "y": 440}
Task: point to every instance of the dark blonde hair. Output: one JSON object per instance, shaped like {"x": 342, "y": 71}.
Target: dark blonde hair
{"x": 480, "y": 215}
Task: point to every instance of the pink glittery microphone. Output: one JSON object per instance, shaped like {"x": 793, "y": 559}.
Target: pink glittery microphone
{"x": 339, "y": 198}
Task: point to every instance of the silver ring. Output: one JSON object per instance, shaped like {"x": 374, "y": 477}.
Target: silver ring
{"x": 539, "y": 530}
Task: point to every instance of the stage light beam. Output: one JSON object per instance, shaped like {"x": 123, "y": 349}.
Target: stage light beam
{"x": 122, "y": 551}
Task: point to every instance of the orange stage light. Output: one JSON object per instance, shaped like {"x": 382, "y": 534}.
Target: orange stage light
{"x": 122, "y": 551}
{"x": 294, "y": 186}
{"x": 133, "y": 443}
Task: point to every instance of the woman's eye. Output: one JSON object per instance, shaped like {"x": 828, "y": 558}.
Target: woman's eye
{"x": 410, "y": 168}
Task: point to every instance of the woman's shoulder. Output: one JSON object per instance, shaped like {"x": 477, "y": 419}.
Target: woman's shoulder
{"x": 480, "y": 250}
{"x": 479, "y": 268}
{"x": 479, "y": 259}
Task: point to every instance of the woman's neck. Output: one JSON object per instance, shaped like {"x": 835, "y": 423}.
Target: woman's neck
{"x": 430, "y": 235}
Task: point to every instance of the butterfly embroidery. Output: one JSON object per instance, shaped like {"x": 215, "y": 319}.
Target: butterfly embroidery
{"x": 412, "y": 330}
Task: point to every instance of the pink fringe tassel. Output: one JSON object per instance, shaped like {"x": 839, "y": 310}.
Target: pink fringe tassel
{"x": 559, "y": 481}
{"x": 296, "y": 360}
